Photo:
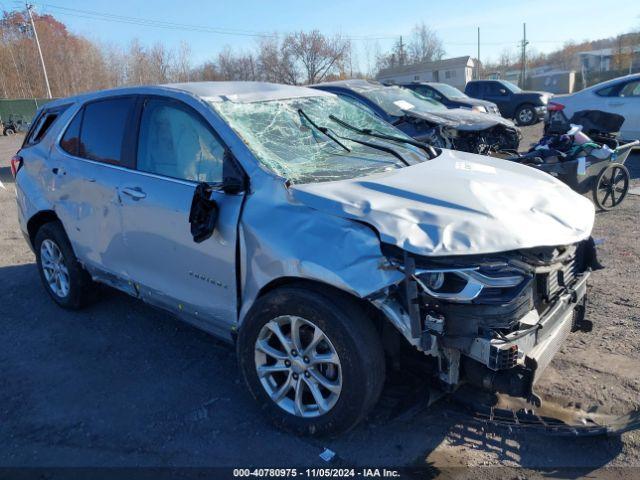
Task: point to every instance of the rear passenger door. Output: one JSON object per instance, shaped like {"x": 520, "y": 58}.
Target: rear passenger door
{"x": 177, "y": 149}
{"x": 88, "y": 165}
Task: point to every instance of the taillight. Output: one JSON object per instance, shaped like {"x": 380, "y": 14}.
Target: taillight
{"x": 555, "y": 107}
{"x": 16, "y": 164}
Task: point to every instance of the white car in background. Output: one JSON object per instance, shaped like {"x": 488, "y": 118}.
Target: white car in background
{"x": 620, "y": 95}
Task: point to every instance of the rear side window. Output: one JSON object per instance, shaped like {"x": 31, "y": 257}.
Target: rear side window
{"x": 98, "y": 130}
{"x": 103, "y": 128}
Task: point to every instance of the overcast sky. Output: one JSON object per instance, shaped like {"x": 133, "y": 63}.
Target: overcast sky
{"x": 549, "y": 22}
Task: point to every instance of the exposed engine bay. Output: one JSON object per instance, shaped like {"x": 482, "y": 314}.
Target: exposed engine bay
{"x": 489, "y": 140}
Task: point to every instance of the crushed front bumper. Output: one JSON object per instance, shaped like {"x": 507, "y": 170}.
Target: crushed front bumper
{"x": 514, "y": 363}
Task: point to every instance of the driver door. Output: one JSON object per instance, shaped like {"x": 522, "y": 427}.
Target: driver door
{"x": 176, "y": 150}
{"x": 499, "y": 94}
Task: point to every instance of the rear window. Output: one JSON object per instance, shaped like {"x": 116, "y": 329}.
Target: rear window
{"x": 97, "y": 132}
{"x": 472, "y": 89}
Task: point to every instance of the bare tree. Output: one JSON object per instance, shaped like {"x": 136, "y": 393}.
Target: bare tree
{"x": 275, "y": 61}
{"x": 317, "y": 54}
{"x": 425, "y": 45}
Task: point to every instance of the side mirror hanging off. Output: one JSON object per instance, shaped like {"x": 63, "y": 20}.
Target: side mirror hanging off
{"x": 203, "y": 214}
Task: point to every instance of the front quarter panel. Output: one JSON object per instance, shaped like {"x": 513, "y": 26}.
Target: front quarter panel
{"x": 281, "y": 238}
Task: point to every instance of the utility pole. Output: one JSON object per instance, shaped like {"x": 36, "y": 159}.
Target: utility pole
{"x": 35, "y": 34}
{"x": 401, "y": 52}
{"x": 523, "y": 69}
{"x": 478, "y": 67}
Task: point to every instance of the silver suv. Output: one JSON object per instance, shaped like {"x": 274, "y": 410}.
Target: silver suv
{"x": 313, "y": 235}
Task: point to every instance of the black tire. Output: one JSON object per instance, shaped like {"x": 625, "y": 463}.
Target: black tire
{"x": 356, "y": 343}
{"x": 9, "y": 131}
{"x": 526, "y": 115}
{"x": 79, "y": 281}
{"x": 611, "y": 186}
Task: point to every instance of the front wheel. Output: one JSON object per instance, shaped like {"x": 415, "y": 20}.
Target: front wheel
{"x": 312, "y": 360}
{"x": 526, "y": 115}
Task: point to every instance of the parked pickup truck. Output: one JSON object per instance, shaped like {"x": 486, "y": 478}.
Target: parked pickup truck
{"x": 525, "y": 107}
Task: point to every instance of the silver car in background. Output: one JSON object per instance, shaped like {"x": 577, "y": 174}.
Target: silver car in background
{"x": 316, "y": 237}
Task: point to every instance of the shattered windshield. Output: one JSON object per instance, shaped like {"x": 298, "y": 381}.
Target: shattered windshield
{"x": 396, "y": 100}
{"x": 287, "y": 137}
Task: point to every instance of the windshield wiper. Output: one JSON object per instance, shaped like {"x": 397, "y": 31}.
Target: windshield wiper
{"x": 323, "y": 130}
{"x": 366, "y": 131}
{"x": 378, "y": 147}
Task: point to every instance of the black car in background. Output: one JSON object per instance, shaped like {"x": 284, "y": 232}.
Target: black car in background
{"x": 525, "y": 107}
{"x": 427, "y": 120}
{"x": 451, "y": 97}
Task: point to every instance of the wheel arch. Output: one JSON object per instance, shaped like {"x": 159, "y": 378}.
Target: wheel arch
{"x": 324, "y": 288}
{"x": 38, "y": 220}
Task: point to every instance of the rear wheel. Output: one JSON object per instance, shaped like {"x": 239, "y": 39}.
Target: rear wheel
{"x": 9, "y": 131}
{"x": 64, "y": 279}
{"x": 611, "y": 187}
{"x": 312, "y": 360}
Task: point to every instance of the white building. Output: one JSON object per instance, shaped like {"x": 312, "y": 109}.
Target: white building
{"x": 603, "y": 60}
{"x": 454, "y": 71}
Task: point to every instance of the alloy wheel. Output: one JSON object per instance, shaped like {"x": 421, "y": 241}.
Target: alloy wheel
{"x": 298, "y": 366}
{"x": 53, "y": 266}
{"x": 525, "y": 116}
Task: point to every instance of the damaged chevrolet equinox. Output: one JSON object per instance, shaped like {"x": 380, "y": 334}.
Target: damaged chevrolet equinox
{"x": 317, "y": 238}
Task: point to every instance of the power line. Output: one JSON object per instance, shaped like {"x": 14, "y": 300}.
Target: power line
{"x": 110, "y": 17}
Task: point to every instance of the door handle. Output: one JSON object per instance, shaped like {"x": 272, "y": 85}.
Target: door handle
{"x": 135, "y": 193}
{"x": 616, "y": 104}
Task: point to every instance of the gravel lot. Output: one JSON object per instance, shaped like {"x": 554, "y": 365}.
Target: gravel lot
{"x": 123, "y": 384}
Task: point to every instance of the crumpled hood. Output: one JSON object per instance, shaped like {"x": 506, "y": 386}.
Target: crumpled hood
{"x": 462, "y": 119}
{"x": 458, "y": 204}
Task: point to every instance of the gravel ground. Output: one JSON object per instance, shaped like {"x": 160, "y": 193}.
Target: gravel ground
{"x": 122, "y": 384}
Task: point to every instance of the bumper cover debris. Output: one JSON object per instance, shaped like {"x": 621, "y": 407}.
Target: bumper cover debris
{"x": 550, "y": 419}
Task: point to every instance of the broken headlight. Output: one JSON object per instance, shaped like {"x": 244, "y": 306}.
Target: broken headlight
{"x": 465, "y": 284}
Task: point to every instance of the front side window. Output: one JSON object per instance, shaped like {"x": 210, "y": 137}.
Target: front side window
{"x": 176, "y": 142}
{"x": 496, "y": 89}
{"x": 631, "y": 89}
{"x": 281, "y": 137}
{"x": 512, "y": 87}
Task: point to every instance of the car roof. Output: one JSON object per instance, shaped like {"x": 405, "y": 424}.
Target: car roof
{"x": 614, "y": 81}
{"x": 350, "y": 84}
{"x": 239, "y": 92}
